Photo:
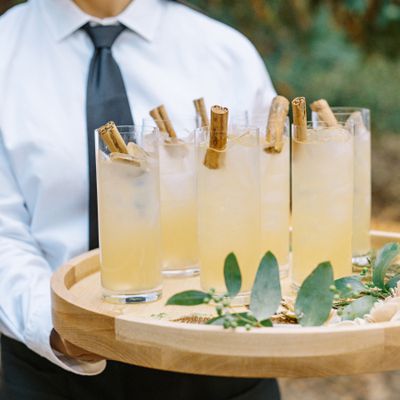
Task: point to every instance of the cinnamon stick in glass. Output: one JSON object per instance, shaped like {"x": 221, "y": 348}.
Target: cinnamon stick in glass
{"x": 299, "y": 108}
{"x": 276, "y": 124}
{"x": 325, "y": 114}
{"x": 218, "y": 137}
{"x": 155, "y": 114}
{"x": 110, "y": 135}
{"x": 200, "y": 107}
{"x": 167, "y": 122}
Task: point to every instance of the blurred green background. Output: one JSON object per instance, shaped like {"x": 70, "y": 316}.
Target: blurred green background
{"x": 346, "y": 51}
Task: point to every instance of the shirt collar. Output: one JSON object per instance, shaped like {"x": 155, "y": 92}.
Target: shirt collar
{"x": 65, "y": 17}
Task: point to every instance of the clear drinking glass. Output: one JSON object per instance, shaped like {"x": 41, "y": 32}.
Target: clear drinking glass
{"x": 360, "y": 117}
{"x": 229, "y": 211}
{"x": 129, "y": 218}
{"x": 322, "y": 199}
{"x": 275, "y": 198}
{"x": 238, "y": 118}
{"x": 180, "y": 256}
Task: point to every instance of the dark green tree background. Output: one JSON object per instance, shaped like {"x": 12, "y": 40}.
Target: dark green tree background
{"x": 346, "y": 51}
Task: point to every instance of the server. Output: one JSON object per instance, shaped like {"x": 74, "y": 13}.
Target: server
{"x": 65, "y": 67}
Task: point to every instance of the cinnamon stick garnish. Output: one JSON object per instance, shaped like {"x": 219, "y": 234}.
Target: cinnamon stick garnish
{"x": 154, "y": 113}
{"x": 167, "y": 122}
{"x": 110, "y": 135}
{"x": 201, "y": 110}
{"x": 325, "y": 114}
{"x": 218, "y": 137}
{"x": 299, "y": 108}
{"x": 276, "y": 124}
{"x": 161, "y": 118}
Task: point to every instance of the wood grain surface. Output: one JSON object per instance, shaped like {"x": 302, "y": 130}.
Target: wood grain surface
{"x": 148, "y": 335}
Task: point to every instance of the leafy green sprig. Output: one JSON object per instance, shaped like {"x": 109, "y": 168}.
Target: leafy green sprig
{"x": 352, "y": 297}
{"x": 355, "y": 296}
{"x": 265, "y": 295}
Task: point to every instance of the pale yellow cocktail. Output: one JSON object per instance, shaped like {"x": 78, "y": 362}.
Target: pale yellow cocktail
{"x": 179, "y": 207}
{"x": 129, "y": 225}
{"x": 322, "y": 202}
{"x": 275, "y": 202}
{"x": 360, "y": 117}
{"x": 229, "y": 210}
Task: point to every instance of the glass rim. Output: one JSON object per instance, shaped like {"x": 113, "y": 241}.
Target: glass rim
{"x": 346, "y": 110}
{"x": 231, "y": 138}
{"x": 178, "y": 117}
{"x": 235, "y": 127}
{"x": 132, "y": 128}
{"x": 319, "y": 124}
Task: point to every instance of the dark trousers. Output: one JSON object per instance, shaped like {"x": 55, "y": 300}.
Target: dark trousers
{"x": 27, "y": 376}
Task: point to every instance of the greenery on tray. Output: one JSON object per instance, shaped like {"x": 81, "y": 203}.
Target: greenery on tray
{"x": 319, "y": 299}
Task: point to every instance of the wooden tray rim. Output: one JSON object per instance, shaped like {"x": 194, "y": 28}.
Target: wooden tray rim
{"x": 59, "y": 288}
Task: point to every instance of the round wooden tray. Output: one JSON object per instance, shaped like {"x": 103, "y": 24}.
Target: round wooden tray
{"x": 147, "y": 335}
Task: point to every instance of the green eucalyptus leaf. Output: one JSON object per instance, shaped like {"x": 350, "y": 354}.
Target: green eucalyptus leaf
{"x": 358, "y": 308}
{"x": 392, "y": 282}
{"x": 384, "y": 258}
{"x": 244, "y": 318}
{"x": 267, "y": 323}
{"x": 241, "y": 319}
{"x": 216, "y": 321}
{"x": 266, "y": 292}
{"x": 315, "y": 298}
{"x": 342, "y": 285}
{"x": 232, "y": 275}
{"x": 188, "y": 298}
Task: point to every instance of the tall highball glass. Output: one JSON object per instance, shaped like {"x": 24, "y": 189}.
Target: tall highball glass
{"x": 129, "y": 218}
{"x": 275, "y": 194}
{"x": 322, "y": 199}
{"x": 180, "y": 255}
{"x": 229, "y": 210}
{"x": 360, "y": 117}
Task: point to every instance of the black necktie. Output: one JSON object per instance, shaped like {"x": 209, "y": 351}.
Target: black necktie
{"x": 106, "y": 100}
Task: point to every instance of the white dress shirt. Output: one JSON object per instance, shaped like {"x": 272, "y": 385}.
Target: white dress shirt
{"x": 169, "y": 54}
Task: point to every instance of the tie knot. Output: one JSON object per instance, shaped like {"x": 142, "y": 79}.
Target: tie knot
{"x": 103, "y": 36}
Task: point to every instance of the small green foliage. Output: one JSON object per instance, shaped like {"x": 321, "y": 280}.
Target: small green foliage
{"x": 349, "y": 286}
{"x": 315, "y": 298}
{"x": 392, "y": 282}
{"x": 233, "y": 320}
{"x": 266, "y": 292}
{"x": 216, "y": 321}
{"x": 358, "y": 308}
{"x": 188, "y": 298}
{"x": 352, "y": 296}
{"x": 267, "y": 323}
{"x": 384, "y": 258}
{"x": 232, "y": 275}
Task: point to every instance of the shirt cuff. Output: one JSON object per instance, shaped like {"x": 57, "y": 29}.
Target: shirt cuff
{"x": 37, "y": 338}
